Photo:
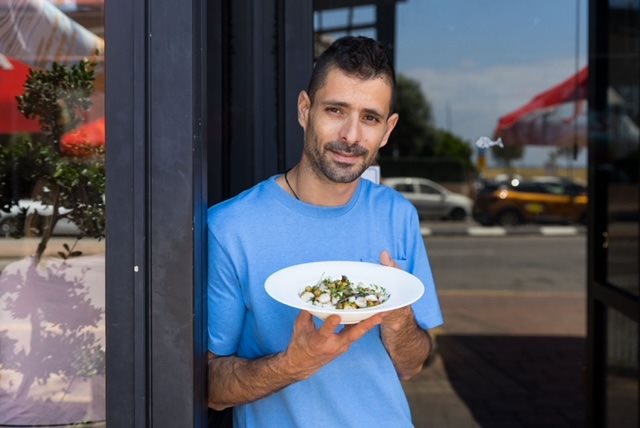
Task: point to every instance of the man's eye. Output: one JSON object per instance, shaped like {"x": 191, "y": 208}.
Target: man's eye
{"x": 333, "y": 109}
{"x": 371, "y": 118}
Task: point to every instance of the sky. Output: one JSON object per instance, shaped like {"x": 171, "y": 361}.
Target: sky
{"x": 477, "y": 60}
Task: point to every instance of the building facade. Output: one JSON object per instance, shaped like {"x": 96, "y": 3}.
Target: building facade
{"x": 199, "y": 102}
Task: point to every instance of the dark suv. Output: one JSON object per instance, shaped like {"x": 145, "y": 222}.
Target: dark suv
{"x": 538, "y": 199}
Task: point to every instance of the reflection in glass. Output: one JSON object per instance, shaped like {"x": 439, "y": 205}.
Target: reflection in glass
{"x": 52, "y": 213}
{"x": 623, "y": 148}
{"x": 622, "y": 371}
{"x": 330, "y": 24}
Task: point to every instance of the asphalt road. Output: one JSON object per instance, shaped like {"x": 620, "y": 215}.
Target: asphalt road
{"x": 514, "y": 263}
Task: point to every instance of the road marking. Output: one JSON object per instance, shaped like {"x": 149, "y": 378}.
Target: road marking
{"x": 511, "y": 293}
{"x": 486, "y": 231}
{"x": 462, "y": 252}
{"x": 425, "y": 231}
{"x": 558, "y": 230}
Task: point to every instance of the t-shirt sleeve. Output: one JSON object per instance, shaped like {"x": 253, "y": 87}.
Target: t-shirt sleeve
{"x": 225, "y": 303}
{"x": 427, "y": 308}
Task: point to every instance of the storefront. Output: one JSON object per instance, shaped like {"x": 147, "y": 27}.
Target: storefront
{"x": 614, "y": 234}
{"x": 199, "y": 100}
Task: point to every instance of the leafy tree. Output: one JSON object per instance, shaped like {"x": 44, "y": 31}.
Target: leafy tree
{"x": 74, "y": 186}
{"x": 414, "y": 135}
{"x": 54, "y": 298}
{"x": 58, "y": 97}
{"x": 451, "y": 146}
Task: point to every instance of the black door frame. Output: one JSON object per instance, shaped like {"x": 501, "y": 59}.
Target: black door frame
{"x": 156, "y": 370}
{"x": 600, "y": 294}
{"x": 126, "y": 258}
{"x": 183, "y": 80}
{"x": 159, "y": 131}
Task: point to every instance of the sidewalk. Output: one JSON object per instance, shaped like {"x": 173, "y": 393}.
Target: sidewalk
{"x": 504, "y": 359}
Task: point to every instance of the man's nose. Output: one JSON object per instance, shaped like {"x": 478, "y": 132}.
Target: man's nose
{"x": 351, "y": 131}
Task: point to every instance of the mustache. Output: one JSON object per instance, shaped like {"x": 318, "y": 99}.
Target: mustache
{"x": 349, "y": 149}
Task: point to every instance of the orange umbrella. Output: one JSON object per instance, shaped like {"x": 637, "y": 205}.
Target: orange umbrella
{"x": 86, "y": 140}
{"x": 13, "y": 74}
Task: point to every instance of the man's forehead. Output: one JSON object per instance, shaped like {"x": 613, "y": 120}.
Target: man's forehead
{"x": 337, "y": 73}
{"x": 377, "y": 87}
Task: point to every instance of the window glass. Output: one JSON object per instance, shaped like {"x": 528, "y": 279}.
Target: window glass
{"x": 52, "y": 213}
{"x": 622, "y": 371}
{"x": 406, "y": 188}
{"x": 528, "y": 187}
{"x": 512, "y": 73}
{"x": 553, "y": 188}
{"x": 623, "y": 146}
{"x": 425, "y": 188}
{"x": 329, "y": 24}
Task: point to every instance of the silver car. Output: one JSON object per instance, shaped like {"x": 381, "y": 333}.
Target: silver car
{"x": 432, "y": 200}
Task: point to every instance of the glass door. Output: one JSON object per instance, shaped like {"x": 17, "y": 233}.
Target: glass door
{"x": 52, "y": 213}
{"x": 614, "y": 104}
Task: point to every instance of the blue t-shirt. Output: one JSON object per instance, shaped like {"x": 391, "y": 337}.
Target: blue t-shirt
{"x": 265, "y": 229}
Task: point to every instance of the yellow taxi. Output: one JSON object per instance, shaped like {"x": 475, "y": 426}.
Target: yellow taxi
{"x": 537, "y": 199}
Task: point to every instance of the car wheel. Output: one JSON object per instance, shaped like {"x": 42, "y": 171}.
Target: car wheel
{"x": 509, "y": 218}
{"x": 457, "y": 214}
{"x": 8, "y": 228}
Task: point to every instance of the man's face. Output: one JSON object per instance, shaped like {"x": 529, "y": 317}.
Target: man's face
{"x": 345, "y": 125}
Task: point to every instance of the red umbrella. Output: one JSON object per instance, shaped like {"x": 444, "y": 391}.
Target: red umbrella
{"x": 13, "y": 74}
{"x": 86, "y": 140}
{"x": 554, "y": 117}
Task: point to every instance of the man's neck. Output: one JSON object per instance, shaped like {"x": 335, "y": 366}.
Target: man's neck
{"x": 314, "y": 188}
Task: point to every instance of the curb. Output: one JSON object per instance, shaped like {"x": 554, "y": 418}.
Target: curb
{"x": 497, "y": 231}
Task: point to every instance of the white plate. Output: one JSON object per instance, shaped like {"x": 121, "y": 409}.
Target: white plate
{"x": 286, "y": 284}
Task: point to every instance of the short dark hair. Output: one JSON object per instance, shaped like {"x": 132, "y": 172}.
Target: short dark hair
{"x": 356, "y": 56}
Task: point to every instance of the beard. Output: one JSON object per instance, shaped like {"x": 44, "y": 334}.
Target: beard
{"x": 338, "y": 172}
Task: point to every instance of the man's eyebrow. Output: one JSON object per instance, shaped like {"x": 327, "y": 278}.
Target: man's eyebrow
{"x": 335, "y": 103}
{"x": 370, "y": 111}
{"x": 373, "y": 112}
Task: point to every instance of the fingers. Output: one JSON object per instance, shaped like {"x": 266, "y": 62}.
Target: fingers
{"x": 385, "y": 259}
{"x": 351, "y": 333}
{"x": 304, "y": 318}
{"x": 356, "y": 331}
{"x": 329, "y": 326}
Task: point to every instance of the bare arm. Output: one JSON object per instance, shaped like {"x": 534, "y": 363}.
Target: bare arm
{"x": 234, "y": 380}
{"x": 407, "y": 343}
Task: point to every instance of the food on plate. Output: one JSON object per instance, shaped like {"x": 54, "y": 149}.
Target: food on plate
{"x": 344, "y": 294}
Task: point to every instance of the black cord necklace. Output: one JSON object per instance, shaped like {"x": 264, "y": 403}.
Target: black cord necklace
{"x": 289, "y": 184}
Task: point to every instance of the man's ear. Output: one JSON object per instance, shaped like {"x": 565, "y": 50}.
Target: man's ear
{"x": 304, "y": 104}
{"x": 392, "y": 121}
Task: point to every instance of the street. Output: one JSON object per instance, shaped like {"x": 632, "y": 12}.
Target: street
{"x": 511, "y": 350}
{"x": 514, "y": 263}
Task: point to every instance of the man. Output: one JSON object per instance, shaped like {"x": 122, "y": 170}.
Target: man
{"x": 279, "y": 367}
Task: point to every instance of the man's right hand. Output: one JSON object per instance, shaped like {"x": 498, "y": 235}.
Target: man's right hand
{"x": 312, "y": 348}
{"x": 234, "y": 380}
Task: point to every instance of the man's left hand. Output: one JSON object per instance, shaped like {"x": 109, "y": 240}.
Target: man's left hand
{"x": 407, "y": 344}
{"x": 399, "y": 318}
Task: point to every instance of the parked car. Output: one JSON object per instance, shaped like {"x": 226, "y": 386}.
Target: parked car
{"x": 11, "y": 221}
{"x": 539, "y": 199}
{"x": 432, "y": 200}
